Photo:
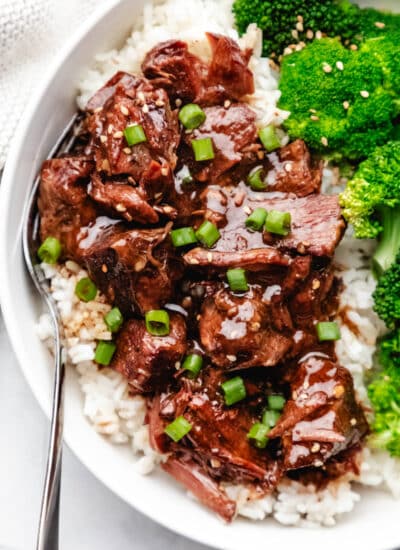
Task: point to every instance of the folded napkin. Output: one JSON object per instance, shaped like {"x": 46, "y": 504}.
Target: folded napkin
{"x": 31, "y": 33}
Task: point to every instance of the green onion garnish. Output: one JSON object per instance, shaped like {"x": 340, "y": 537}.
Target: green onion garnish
{"x": 269, "y": 138}
{"x": 278, "y": 222}
{"x": 157, "y": 322}
{"x": 203, "y": 149}
{"x": 86, "y": 290}
{"x": 328, "y": 331}
{"x": 183, "y": 236}
{"x": 193, "y": 363}
{"x": 208, "y": 234}
{"x": 259, "y": 435}
{"x": 276, "y": 402}
{"x": 114, "y": 319}
{"x": 255, "y": 181}
{"x": 237, "y": 280}
{"x": 134, "y": 134}
{"x": 270, "y": 418}
{"x": 178, "y": 428}
{"x": 192, "y": 116}
{"x": 234, "y": 390}
{"x": 104, "y": 352}
{"x": 50, "y": 250}
{"x": 184, "y": 175}
{"x": 256, "y": 219}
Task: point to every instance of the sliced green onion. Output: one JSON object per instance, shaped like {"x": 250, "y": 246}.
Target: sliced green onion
{"x": 259, "y": 435}
{"x": 237, "y": 280}
{"x": 269, "y": 138}
{"x": 178, "y": 428}
{"x": 208, "y": 234}
{"x": 256, "y": 219}
{"x": 184, "y": 175}
{"x": 328, "y": 331}
{"x": 114, "y": 319}
{"x": 192, "y": 116}
{"x": 270, "y": 418}
{"x": 104, "y": 352}
{"x": 134, "y": 134}
{"x": 278, "y": 222}
{"x": 255, "y": 181}
{"x": 157, "y": 322}
{"x": 193, "y": 363}
{"x": 86, "y": 290}
{"x": 50, "y": 250}
{"x": 276, "y": 402}
{"x": 203, "y": 149}
{"x": 183, "y": 236}
{"x": 234, "y": 390}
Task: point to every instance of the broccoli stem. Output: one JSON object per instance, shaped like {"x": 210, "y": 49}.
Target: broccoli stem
{"x": 389, "y": 243}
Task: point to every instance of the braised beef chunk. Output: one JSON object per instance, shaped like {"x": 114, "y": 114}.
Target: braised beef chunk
{"x": 196, "y": 480}
{"x": 323, "y": 417}
{"x": 232, "y": 131}
{"x": 244, "y": 331}
{"x": 131, "y": 101}
{"x": 122, "y": 199}
{"x": 184, "y": 76}
{"x": 148, "y": 361}
{"x": 135, "y": 268}
{"x": 171, "y": 66}
{"x": 113, "y": 207}
{"x": 291, "y": 170}
{"x": 63, "y": 201}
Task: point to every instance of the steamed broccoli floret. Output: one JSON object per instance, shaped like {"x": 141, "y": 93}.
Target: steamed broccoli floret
{"x": 384, "y": 394}
{"x": 371, "y": 202}
{"x": 387, "y": 294}
{"x": 286, "y": 22}
{"x": 289, "y": 22}
{"x": 337, "y": 98}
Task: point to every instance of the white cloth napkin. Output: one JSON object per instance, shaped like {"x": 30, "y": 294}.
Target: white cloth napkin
{"x": 31, "y": 33}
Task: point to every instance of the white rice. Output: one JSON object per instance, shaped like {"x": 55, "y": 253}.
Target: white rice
{"x": 107, "y": 403}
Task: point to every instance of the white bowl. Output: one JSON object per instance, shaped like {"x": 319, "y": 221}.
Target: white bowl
{"x": 372, "y": 525}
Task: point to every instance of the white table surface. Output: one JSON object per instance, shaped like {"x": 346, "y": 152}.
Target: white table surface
{"x": 91, "y": 516}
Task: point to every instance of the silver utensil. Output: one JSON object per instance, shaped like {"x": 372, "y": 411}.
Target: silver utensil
{"x": 47, "y": 538}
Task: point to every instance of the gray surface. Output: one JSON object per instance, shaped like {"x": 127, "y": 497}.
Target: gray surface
{"x": 91, "y": 516}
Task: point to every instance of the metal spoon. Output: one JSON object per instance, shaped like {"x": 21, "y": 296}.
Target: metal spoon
{"x": 47, "y": 538}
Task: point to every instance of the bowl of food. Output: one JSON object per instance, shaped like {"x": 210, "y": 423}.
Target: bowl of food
{"x": 220, "y": 236}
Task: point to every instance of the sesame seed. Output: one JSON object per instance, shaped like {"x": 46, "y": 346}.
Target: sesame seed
{"x": 299, "y": 47}
{"x": 288, "y": 167}
{"x": 301, "y": 248}
{"x": 193, "y": 261}
{"x": 209, "y": 257}
{"x": 145, "y": 108}
{"x": 339, "y": 65}
{"x": 294, "y": 395}
{"x": 353, "y": 47}
{"x": 287, "y": 51}
{"x": 314, "y": 117}
{"x": 324, "y": 141}
{"x": 120, "y": 208}
{"x": 110, "y": 128}
{"x": 318, "y": 35}
{"x": 364, "y": 93}
{"x": 295, "y": 34}
{"x": 158, "y": 196}
{"x": 124, "y": 110}
{"x": 255, "y": 326}
{"x": 312, "y": 110}
{"x": 198, "y": 317}
{"x": 316, "y": 284}
{"x": 140, "y": 264}
{"x": 346, "y": 105}
{"x": 98, "y": 110}
{"x": 127, "y": 150}
{"x": 310, "y": 34}
{"x": 118, "y": 134}
{"x": 164, "y": 171}
{"x": 168, "y": 209}
{"x": 318, "y": 463}
{"x": 353, "y": 421}
{"x": 247, "y": 210}
{"x": 178, "y": 365}
{"x": 215, "y": 463}
{"x": 178, "y": 102}
{"x": 338, "y": 390}
{"x": 104, "y": 268}
{"x": 105, "y": 165}
{"x": 300, "y": 18}
{"x": 231, "y": 358}
{"x": 300, "y": 26}
{"x": 227, "y": 104}
{"x": 379, "y": 24}
{"x": 315, "y": 448}
{"x": 327, "y": 68}
{"x": 260, "y": 155}
{"x": 103, "y": 138}
{"x": 141, "y": 97}
{"x": 306, "y": 385}
{"x": 160, "y": 103}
